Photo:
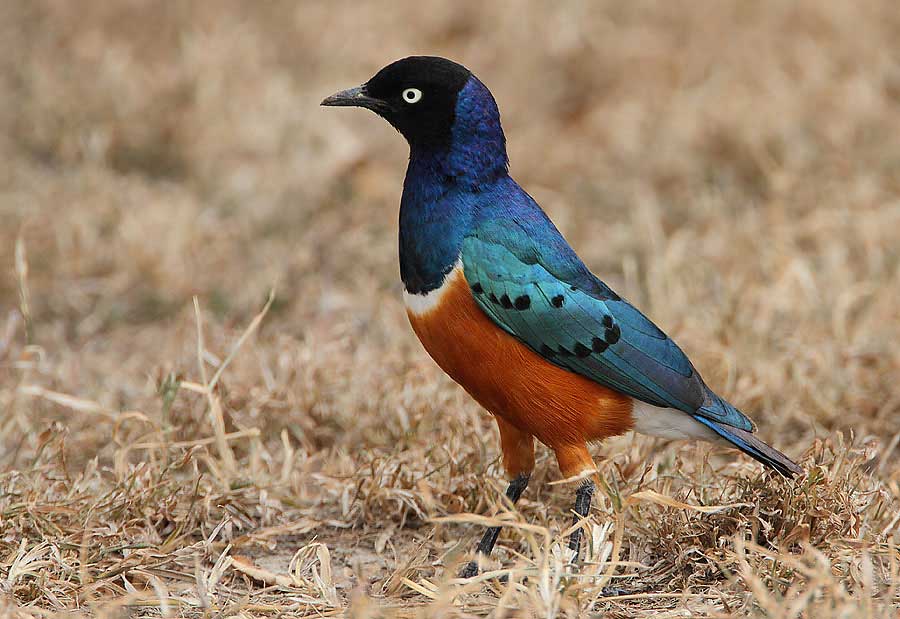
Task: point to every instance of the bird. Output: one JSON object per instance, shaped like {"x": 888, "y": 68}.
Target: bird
{"x": 508, "y": 310}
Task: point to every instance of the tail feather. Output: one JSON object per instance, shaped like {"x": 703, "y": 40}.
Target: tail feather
{"x": 753, "y": 447}
{"x": 720, "y": 410}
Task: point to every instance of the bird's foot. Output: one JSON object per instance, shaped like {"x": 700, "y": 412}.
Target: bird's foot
{"x": 611, "y": 592}
{"x": 470, "y": 570}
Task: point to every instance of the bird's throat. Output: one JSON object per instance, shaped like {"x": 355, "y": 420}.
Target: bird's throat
{"x": 436, "y": 212}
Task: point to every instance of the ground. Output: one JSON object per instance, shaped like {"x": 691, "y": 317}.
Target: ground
{"x": 212, "y": 403}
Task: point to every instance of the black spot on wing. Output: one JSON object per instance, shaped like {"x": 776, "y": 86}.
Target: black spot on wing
{"x": 612, "y": 344}
{"x": 612, "y": 335}
{"x": 630, "y": 316}
{"x": 477, "y": 288}
{"x": 581, "y": 350}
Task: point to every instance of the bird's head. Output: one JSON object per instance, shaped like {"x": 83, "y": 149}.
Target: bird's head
{"x": 437, "y": 104}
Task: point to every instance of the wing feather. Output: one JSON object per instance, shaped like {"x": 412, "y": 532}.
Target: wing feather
{"x": 583, "y": 326}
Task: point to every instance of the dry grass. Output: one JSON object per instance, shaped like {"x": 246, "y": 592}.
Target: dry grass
{"x": 732, "y": 167}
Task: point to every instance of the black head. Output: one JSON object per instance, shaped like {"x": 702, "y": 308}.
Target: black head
{"x": 417, "y": 95}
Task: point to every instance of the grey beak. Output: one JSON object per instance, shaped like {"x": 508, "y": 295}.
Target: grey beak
{"x": 355, "y": 97}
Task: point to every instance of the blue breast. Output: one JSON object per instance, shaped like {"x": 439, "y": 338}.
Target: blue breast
{"x": 445, "y": 188}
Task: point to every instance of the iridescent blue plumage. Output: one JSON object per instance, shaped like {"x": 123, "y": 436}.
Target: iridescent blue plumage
{"x": 596, "y": 367}
{"x": 442, "y": 192}
{"x": 460, "y": 203}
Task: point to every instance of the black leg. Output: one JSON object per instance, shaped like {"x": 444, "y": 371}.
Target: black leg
{"x": 582, "y": 507}
{"x": 486, "y": 545}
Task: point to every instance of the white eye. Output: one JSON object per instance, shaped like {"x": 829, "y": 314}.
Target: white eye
{"x": 412, "y": 95}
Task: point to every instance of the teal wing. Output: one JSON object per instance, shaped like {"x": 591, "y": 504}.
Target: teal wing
{"x": 562, "y": 312}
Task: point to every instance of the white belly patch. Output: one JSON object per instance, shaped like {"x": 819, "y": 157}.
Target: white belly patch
{"x": 421, "y": 304}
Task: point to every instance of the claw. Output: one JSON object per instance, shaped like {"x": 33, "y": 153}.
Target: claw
{"x": 470, "y": 570}
{"x": 611, "y": 592}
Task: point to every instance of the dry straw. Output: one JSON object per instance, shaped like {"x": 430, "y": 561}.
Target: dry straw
{"x": 177, "y": 441}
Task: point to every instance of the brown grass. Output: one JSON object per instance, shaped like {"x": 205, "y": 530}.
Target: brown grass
{"x": 167, "y": 449}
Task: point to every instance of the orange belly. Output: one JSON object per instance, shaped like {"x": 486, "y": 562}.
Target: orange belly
{"x": 558, "y": 407}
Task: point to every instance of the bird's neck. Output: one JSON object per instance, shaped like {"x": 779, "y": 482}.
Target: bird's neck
{"x": 475, "y": 153}
{"x": 445, "y": 183}
{"x": 436, "y": 211}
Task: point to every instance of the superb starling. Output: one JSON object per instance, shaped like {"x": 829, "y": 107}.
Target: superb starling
{"x": 505, "y": 307}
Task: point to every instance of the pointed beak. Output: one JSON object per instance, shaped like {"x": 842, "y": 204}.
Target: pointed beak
{"x": 356, "y": 97}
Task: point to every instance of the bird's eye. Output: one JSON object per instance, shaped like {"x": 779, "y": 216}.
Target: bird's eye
{"x": 412, "y": 95}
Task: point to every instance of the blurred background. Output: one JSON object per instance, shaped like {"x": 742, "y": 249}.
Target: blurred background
{"x": 732, "y": 168}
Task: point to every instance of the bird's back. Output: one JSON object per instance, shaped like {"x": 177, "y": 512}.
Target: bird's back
{"x": 559, "y": 309}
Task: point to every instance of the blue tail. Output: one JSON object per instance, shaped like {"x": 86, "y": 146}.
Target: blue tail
{"x": 721, "y": 411}
{"x": 753, "y": 447}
